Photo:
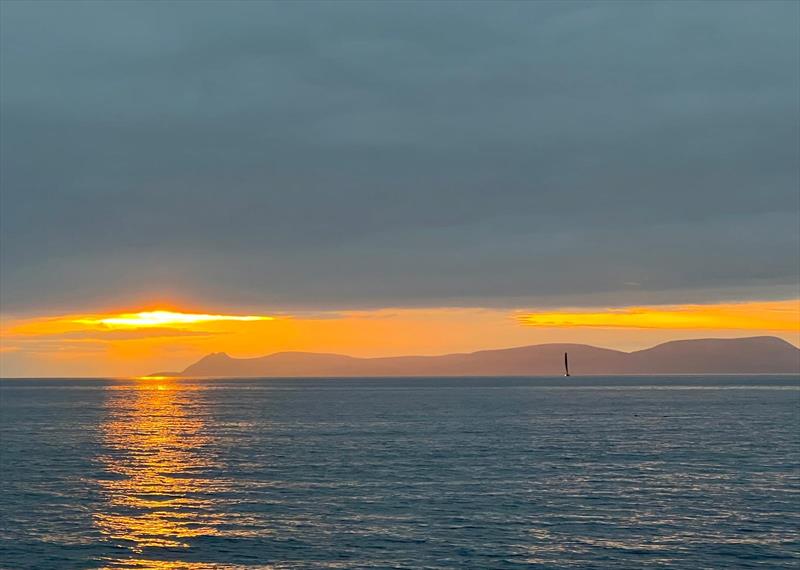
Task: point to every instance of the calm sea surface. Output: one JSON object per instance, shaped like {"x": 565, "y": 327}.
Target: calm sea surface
{"x": 685, "y": 472}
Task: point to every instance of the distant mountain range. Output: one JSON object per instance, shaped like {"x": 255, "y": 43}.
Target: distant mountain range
{"x": 755, "y": 355}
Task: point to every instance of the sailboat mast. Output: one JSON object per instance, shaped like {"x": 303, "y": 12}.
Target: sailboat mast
{"x": 566, "y": 365}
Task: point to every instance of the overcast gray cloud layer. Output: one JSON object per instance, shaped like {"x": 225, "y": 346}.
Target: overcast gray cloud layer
{"x": 371, "y": 154}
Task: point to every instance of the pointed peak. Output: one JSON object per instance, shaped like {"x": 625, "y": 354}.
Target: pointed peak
{"x": 216, "y": 356}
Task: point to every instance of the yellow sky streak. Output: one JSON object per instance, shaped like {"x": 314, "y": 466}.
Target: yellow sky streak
{"x": 765, "y": 316}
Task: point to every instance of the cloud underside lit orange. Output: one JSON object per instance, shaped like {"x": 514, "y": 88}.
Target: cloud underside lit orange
{"x": 753, "y": 316}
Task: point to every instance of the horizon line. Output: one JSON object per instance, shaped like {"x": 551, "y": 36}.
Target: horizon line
{"x": 408, "y": 377}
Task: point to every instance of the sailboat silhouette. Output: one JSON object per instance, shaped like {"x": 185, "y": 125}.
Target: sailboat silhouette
{"x": 566, "y": 364}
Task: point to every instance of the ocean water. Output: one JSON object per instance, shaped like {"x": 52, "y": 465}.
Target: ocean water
{"x": 684, "y": 472}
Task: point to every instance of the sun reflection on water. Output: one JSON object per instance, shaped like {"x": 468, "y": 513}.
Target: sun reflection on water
{"x": 157, "y": 493}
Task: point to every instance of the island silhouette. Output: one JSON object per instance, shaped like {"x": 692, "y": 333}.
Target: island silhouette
{"x": 750, "y": 355}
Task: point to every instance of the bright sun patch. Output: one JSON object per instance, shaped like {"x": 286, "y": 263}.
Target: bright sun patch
{"x": 164, "y": 318}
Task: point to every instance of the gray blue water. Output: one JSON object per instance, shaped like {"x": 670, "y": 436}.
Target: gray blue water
{"x": 391, "y": 473}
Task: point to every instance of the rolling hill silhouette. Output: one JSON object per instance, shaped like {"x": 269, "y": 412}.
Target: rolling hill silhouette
{"x": 768, "y": 355}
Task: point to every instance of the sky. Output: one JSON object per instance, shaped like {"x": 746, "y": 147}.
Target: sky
{"x": 392, "y": 177}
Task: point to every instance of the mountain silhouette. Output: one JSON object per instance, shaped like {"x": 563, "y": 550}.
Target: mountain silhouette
{"x": 768, "y": 355}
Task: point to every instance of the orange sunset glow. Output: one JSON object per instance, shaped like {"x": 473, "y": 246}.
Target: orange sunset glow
{"x": 140, "y": 343}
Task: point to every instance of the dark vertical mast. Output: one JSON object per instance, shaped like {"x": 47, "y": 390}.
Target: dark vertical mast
{"x": 566, "y": 365}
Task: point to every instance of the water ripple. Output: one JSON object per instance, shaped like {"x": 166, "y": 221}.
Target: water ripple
{"x": 489, "y": 473}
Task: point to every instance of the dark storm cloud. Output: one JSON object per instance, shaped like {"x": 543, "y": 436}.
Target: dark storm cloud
{"x": 354, "y": 154}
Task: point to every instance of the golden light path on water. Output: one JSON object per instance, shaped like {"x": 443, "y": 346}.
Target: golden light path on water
{"x": 155, "y": 495}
